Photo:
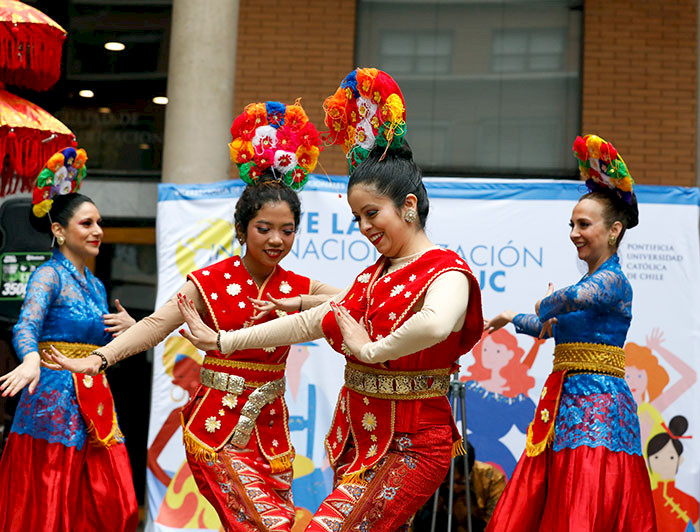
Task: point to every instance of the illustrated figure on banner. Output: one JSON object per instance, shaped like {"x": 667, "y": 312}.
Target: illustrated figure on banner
{"x": 496, "y": 393}
{"x": 182, "y": 506}
{"x": 676, "y": 511}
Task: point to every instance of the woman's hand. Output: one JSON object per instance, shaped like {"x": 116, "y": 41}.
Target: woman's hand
{"x": 354, "y": 333}
{"x": 119, "y": 322}
{"x": 547, "y": 330}
{"x": 26, "y": 373}
{"x": 550, "y": 291}
{"x": 263, "y": 308}
{"x": 499, "y": 321}
{"x": 200, "y": 334}
{"x": 89, "y": 365}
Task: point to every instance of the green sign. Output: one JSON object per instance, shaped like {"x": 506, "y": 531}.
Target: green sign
{"x": 16, "y": 269}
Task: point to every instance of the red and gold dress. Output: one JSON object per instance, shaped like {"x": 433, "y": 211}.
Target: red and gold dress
{"x": 393, "y": 434}
{"x": 236, "y": 426}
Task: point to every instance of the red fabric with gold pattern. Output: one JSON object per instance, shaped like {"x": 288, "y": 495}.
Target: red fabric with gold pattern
{"x": 225, "y": 288}
{"x": 97, "y": 408}
{"x": 540, "y": 433}
{"x": 386, "y": 303}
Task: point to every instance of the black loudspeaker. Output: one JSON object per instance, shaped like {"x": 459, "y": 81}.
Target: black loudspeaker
{"x": 22, "y": 249}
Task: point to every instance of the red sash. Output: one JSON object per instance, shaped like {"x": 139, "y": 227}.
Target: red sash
{"x": 540, "y": 433}
{"x": 97, "y": 408}
{"x": 210, "y": 424}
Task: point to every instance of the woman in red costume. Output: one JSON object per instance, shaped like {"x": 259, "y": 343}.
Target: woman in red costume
{"x": 65, "y": 466}
{"x": 402, "y": 325}
{"x": 235, "y": 426}
{"x": 583, "y": 469}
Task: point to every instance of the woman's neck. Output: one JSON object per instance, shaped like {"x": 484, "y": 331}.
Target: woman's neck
{"x": 593, "y": 266}
{"x": 417, "y": 244}
{"x": 76, "y": 260}
{"x": 257, "y": 271}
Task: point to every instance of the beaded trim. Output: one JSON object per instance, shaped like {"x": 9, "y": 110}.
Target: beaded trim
{"x": 261, "y": 397}
{"x": 69, "y": 349}
{"x": 594, "y": 358}
{"x": 237, "y": 364}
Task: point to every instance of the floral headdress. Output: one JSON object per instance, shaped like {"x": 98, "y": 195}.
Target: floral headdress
{"x": 62, "y": 174}
{"x": 603, "y": 167}
{"x": 272, "y": 135}
{"x": 368, "y": 109}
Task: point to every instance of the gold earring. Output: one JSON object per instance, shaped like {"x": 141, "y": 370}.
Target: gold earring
{"x": 611, "y": 240}
{"x": 60, "y": 239}
{"x": 410, "y": 216}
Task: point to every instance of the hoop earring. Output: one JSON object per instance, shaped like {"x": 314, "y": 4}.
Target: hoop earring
{"x": 172, "y": 396}
{"x": 410, "y": 216}
{"x": 60, "y": 240}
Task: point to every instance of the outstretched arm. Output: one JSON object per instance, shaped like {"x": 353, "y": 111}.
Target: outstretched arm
{"x": 688, "y": 374}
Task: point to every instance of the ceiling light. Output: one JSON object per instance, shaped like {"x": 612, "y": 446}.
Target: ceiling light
{"x": 86, "y": 93}
{"x": 115, "y": 46}
{"x": 160, "y": 100}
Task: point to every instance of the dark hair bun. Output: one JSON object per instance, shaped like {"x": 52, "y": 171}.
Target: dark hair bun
{"x": 678, "y": 425}
{"x": 62, "y": 210}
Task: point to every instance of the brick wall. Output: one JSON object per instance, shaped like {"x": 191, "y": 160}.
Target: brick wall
{"x": 288, "y": 50}
{"x": 640, "y": 84}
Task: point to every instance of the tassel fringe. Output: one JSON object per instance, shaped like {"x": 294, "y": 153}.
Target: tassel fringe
{"x": 355, "y": 478}
{"x": 196, "y": 450}
{"x": 109, "y": 440}
{"x": 458, "y": 448}
{"x": 534, "y": 449}
{"x": 280, "y": 464}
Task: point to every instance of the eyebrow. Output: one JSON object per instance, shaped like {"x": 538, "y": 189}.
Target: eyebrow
{"x": 271, "y": 223}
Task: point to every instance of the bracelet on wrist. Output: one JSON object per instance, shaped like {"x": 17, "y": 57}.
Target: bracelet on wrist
{"x": 218, "y": 342}
{"x": 104, "y": 365}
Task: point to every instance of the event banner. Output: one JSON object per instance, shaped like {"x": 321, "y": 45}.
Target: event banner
{"x": 515, "y": 236}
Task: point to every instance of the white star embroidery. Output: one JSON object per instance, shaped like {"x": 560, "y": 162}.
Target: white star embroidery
{"x": 275, "y": 443}
{"x": 412, "y": 278}
{"x": 233, "y": 289}
{"x": 214, "y": 296}
{"x": 431, "y": 270}
{"x": 407, "y": 295}
{"x": 392, "y": 316}
{"x": 237, "y": 263}
{"x": 387, "y": 279}
{"x": 396, "y": 290}
{"x": 272, "y": 411}
{"x": 205, "y": 272}
{"x": 250, "y": 282}
{"x": 364, "y": 278}
{"x": 241, "y": 304}
{"x": 285, "y": 288}
{"x": 227, "y": 275}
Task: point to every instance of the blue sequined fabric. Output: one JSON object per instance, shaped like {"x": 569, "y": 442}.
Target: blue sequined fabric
{"x": 595, "y": 410}
{"x": 61, "y": 305}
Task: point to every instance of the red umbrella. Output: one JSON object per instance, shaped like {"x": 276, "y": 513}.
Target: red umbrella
{"x": 28, "y": 137}
{"x": 30, "y": 46}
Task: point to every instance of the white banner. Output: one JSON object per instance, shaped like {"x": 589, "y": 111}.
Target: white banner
{"x": 514, "y": 235}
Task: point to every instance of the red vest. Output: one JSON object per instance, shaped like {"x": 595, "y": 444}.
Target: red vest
{"x": 385, "y": 303}
{"x": 209, "y": 421}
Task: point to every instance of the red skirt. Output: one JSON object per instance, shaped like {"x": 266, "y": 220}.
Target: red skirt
{"x": 48, "y": 487}
{"x": 577, "y": 490}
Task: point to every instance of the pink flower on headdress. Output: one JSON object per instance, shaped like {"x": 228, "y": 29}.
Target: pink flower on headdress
{"x": 265, "y": 138}
{"x": 265, "y": 159}
{"x": 285, "y": 161}
{"x": 287, "y": 138}
{"x": 581, "y": 149}
{"x": 295, "y": 117}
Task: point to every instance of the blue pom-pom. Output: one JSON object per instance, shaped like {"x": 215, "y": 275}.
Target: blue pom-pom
{"x": 350, "y": 82}
{"x": 275, "y": 113}
{"x": 69, "y": 154}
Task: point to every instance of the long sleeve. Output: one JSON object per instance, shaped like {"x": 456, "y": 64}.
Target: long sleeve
{"x": 43, "y": 289}
{"x": 527, "y": 324}
{"x": 293, "y": 329}
{"x": 601, "y": 289}
{"x": 318, "y": 293}
{"x": 153, "y": 329}
{"x": 443, "y": 311}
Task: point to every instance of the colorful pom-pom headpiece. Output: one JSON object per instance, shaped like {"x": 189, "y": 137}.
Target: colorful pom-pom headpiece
{"x": 603, "y": 167}
{"x": 273, "y": 136}
{"x": 368, "y": 109}
{"x": 62, "y": 174}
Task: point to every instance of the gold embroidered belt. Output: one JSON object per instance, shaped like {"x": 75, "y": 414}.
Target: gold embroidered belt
{"x": 69, "y": 349}
{"x": 233, "y": 376}
{"x": 591, "y": 358}
{"x": 400, "y": 385}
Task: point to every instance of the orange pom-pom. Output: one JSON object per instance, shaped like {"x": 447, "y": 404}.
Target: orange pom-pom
{"x": 55, "y": 162}
{"x": 80, "y": 158}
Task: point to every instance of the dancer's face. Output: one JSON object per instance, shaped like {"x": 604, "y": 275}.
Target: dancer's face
{"x": 83, "y": 233}
{"x": 665, "y": 462}
{"x": 637, "y": 379}
{"x": 590, "y": 234}
{"x": 380, "y": 221}
{"x": 270, "y": 235}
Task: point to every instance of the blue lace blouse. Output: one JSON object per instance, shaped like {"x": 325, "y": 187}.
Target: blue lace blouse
{"x": 60, "y": 305}
{"x": 595, "y": 410}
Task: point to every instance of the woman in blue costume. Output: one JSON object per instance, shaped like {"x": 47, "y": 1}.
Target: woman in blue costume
{"x": 65, "y": 467}
{"x": 583, "y": 468}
